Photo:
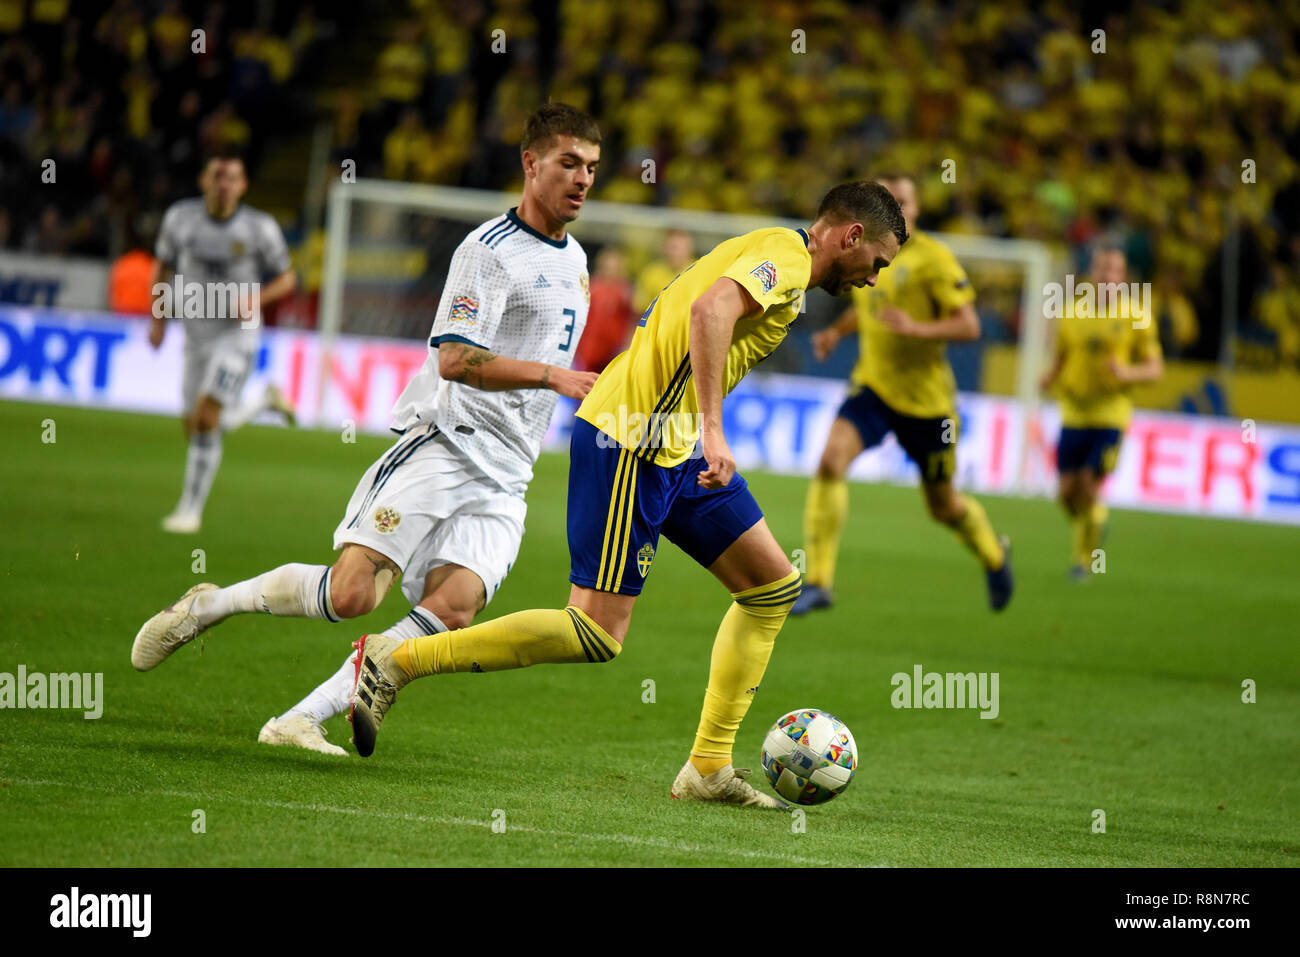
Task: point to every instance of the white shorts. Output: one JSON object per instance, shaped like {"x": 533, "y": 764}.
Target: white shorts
{"x": 424, "y": 504}
{"x": 218, "y": 368}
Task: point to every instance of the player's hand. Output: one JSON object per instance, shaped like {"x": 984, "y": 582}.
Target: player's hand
{"x": 156, "y": 331}
{"x": 1118, "y": 371}
{"x": 824, "y": 342}
{"x": 575, "y": 385}
{"x": 896, "y": 320}
{"x": 717, "y": 457}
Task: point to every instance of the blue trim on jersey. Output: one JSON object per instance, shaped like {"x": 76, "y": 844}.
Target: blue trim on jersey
{"x": 504, "y": 236}
{"x": 804, "y": 236}
{"x": 492, "y": 231}
{"x": 436, "y": 341}
{"x": 513, "y": 216}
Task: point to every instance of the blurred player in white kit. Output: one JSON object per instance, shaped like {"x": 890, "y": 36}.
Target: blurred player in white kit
{"x": 444, "y": 507}
{"x": 222, "y": 251}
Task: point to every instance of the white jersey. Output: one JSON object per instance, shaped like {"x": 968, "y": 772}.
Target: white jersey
{"x": 519, "y": 294}
{"x": 247, "y": 247}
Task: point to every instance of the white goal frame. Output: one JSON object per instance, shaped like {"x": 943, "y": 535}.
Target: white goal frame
{"x": 475, "y": 206}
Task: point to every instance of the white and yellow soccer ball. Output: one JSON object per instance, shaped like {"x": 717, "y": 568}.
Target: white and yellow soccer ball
{"x": 809, "y": 756}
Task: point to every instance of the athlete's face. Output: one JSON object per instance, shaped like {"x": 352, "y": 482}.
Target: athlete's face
{"x": 223, "y": 183}
{"x": 1108, "y": 266}
{"x": 904, "y": 193}
{"x": 560, "y": 175}
{"x": 859, "y": 261}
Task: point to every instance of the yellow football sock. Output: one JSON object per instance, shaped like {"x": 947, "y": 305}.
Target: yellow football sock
{"x": 826, "y": 510}
{"x": 740, "y": 654}
{"x": 1097, "y": 516}
{"x": 976, "y": 533}
{"x": 525, "y": 638}
{"x": 1082, "y": 550}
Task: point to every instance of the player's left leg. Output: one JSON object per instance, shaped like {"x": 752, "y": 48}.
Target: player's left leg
{"x": 724, "y": 530}
{"x": 969, "y": 522}
{"x": 861, "y": 423}
{"x": 452, "y": 596}
{"x": 932, "y": 444}
{"x": 616, "y": 503}
{"x": 1085, "y": 456}
{"x": 270, "y": 399}
{"x": 224, "y": 367}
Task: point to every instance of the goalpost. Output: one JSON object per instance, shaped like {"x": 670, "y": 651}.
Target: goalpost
{"x": 388, "y": 245}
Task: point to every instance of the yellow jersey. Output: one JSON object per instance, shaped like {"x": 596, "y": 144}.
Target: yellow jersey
{"x": 1090, "y": 395}
{"x": 645, "y": 399}
{"x": 911, "y": 375}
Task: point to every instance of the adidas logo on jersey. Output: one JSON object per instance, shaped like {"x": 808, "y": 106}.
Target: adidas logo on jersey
{"x": 541, "y": 282}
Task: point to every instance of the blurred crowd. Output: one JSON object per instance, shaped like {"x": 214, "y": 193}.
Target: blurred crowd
{"x": 125, "y": 97}
{"x": 1172, "y": 126}
{"x": 1175, "y": 126}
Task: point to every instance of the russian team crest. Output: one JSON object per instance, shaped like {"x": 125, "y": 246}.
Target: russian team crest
{"x": 644, "y": 558}
{"x": 387, "y": 520}
{"x": 765, "y": 273}
{"x": 586, "y": 287}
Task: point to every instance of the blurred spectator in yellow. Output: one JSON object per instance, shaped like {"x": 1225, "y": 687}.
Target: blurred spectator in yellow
{"x": 678, "y": 253}
{"x": 1278, "y": 310}
{"x": 409, "y": 149}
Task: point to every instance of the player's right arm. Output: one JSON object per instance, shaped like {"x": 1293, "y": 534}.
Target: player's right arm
{"x": 473, "y": 304}
{"x": 713, "y": 318}
{"x": 478, "y": 368}
{"x": 164, "y": 266}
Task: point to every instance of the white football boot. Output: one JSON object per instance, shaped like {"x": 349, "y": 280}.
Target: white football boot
{"x": 378, "y": 680}
{"x": 298, "y": 731}
{"x": 727, "y": 785}
{"x": 182, "y": 523}
{"x": 168, "y": 630}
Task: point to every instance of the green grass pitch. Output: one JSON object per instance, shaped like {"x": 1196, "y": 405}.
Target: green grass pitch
{"x": 1124, "y": 694}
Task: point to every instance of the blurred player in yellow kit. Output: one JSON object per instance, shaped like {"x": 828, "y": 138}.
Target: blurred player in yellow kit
{"x": 902, "y": 383}
{"x": 1099, "y": 353}
{"x": 648, "y": 456}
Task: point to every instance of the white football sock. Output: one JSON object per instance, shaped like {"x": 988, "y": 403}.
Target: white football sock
{"x": 290, "y": 591}
{"x": 234, "y": 418}
{"x": 201, "y": 463}
{"x": 417, "y": 623}
{"x": 334, "y": 695}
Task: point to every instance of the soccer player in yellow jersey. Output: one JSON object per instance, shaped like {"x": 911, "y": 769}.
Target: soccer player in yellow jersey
{"x": 1100, "y": 352}
{"x": 902, "y": 383}
{"x": 648, "y": 456}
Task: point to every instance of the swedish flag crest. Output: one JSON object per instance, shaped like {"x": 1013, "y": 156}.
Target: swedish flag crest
{"x": 643, "y": 559}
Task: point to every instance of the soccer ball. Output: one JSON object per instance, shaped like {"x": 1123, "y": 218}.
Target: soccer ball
{"x": 809, "y": 756}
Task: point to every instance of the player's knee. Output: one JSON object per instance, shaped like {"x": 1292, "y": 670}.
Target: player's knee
{"x": 454, "y": 617}
{"x": 946, "y": 511}
{"x": 830, "y": 468}
{"x": 207, "y": 417}
{"x": 352, "y": 596}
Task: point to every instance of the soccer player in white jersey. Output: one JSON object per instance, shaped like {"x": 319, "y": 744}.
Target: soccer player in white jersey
{"x": 444, "y": 507}
{"x": 224, "y": 252}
